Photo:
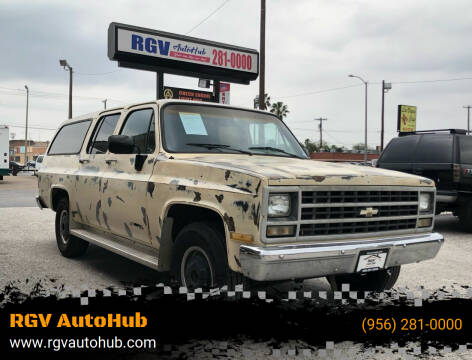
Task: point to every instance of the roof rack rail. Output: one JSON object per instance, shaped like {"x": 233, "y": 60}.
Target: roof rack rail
{"x": 450, "y": 131}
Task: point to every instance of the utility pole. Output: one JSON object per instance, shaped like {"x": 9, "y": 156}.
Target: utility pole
{"x": 104, "y": 104}
{"x": 26, "y": 127}
{"x": 262, "y": 57}
{"x": 320, "y": 119}
{"x": 468, "y": 117}
{"x": 66, "y": 67}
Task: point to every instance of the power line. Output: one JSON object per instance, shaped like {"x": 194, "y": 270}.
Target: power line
{"x": 30, "y": 127}
{"x": 318, "y": 91}
{"x": 38, "y": 93}
{"x": 100, "y": 73}
{"x": 431, "y": 81}
{"x": 209, "y": 16}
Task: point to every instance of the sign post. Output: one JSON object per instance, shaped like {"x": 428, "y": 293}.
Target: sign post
{"x": 406, "y": 118}
{"x": 162, "y": 52}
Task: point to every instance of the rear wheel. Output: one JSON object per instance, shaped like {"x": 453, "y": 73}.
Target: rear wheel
{"x": 199, "y": 259}
{"x": 69, "y": 245}
{"x": 372, "y": 281}
{"x": 465, "y": 216}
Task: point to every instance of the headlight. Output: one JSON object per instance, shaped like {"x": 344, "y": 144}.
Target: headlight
{"x": 279, "y": 205}
{"x": 426, "y": 203}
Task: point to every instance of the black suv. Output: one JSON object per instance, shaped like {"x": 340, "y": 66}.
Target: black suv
{"x": 444, "y": 156}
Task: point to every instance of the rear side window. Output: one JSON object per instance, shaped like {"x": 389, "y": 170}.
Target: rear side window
{"x": 399, "y": 150}
{"x": 69, "y": 139}
{"x": 434, "y": 148}
{"x": 140, "y": 126}
{"x": 104, "y": 128}
{"x": 465, "y": 144}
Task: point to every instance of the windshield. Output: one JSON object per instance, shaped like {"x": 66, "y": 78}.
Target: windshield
{"x": 209, "y": 129}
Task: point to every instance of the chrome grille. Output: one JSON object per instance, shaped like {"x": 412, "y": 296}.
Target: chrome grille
{"x": 355, "y": 227}
{"x": 338, "y": 212}
{"x": 343, "y": 212}
{"x": 324, "y": 197}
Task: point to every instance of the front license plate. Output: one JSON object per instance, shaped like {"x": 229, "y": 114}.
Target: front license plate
{"x": 371, "y": 260}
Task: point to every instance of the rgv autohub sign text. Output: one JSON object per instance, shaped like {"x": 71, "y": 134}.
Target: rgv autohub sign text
{"x": 36, "y": 320}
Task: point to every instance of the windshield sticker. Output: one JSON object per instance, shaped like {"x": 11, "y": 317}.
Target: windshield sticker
{"x": 193, "y": 123}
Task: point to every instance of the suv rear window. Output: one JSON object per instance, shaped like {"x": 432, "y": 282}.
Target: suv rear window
{"x": 434, "y": 148}
{"x": 399, "y": 150}
{"x": 70, "y": 138}
{"x": 465, "y": 145}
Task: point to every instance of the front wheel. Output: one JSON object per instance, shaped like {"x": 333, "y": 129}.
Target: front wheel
{"x": 199, "y": 259}
{"x": 69, "y": 245}
{"x": 379, "y": 280}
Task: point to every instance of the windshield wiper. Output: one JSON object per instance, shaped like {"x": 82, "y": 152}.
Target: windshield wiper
{"x": 220, "y": 146}
{"x": 274, "y": 149}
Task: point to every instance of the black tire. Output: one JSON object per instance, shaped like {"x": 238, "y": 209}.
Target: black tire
{"x": 465, "y": 216}
{"x": 69, "y": 246}
{"x": 1, "y": 177}
{"x": 199, "y": 259}
{"x": 372, "y": 281}
{"x": 14, "y": 173}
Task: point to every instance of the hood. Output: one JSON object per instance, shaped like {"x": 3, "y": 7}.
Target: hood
{"x": 279, "y": 170}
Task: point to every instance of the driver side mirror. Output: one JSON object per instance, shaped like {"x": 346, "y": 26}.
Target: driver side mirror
{"x": 121, "y": 144}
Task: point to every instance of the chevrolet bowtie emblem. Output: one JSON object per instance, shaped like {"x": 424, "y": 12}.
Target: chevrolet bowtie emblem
{"x": 369, "y": 212}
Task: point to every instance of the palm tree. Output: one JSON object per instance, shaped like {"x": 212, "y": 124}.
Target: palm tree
{"x": 279, "y": 109}
{"x": 266, "y": 101}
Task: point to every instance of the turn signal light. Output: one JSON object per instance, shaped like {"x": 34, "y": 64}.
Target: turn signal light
{"x": 424, "y": 222}
{"x": 280, "y": 230}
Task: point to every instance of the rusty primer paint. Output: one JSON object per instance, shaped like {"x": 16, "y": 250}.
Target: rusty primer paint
{"x": 150, "y": 188}
{"x": 242, "y": 204}
{"x": 198, "y": 196}
{"x": 229, "y": 222}
{"x": 97, "y": 211}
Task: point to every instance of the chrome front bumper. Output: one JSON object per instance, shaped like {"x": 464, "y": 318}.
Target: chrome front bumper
{"x": 306, "y": 261}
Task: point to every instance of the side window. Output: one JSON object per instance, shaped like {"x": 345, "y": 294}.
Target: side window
{"x": 69, "y": 139}
{"x": 139, "y": 125}
{"x": 399, "y": 150}
{"x": 434, "y": 148}
{"x": 104, "y": 128}
{"x": 465, "y": 144}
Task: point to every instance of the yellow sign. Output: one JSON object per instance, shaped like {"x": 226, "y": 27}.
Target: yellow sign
{"x": 168, "y": 94}
{"x": 406, "y": 118}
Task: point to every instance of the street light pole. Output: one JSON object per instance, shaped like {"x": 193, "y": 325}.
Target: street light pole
{"x": 385, "y": 88}
{"x": 66, "y": 67}
{"x": 26, "y": 126}
{"x": 104, "y": 103}
{"x": 365, "y": 126}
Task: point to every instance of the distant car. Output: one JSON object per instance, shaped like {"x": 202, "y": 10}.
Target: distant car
{"x": 15, "y": 167}
{"x": 30, "y": 165}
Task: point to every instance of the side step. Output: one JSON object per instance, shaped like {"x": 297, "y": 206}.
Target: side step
{"x": 139, "y": 254}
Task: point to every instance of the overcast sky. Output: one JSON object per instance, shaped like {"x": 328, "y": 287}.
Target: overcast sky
{"x": 311, "y": 47}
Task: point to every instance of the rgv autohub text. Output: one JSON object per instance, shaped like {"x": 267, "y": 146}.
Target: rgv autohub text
{"x": 36, "y": 320}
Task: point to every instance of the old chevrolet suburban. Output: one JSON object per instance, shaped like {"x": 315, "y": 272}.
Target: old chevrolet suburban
{"x": 219, "y": 195}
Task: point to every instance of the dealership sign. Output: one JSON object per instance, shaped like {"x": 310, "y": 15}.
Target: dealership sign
{"x": 187, "y": 94}
{"x": 159, "y": 51}
{"x": 406, "y": 119}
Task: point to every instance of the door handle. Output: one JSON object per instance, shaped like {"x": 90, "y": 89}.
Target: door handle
{"x": 109, "y": 161}
{"x": 82, "y": 161}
